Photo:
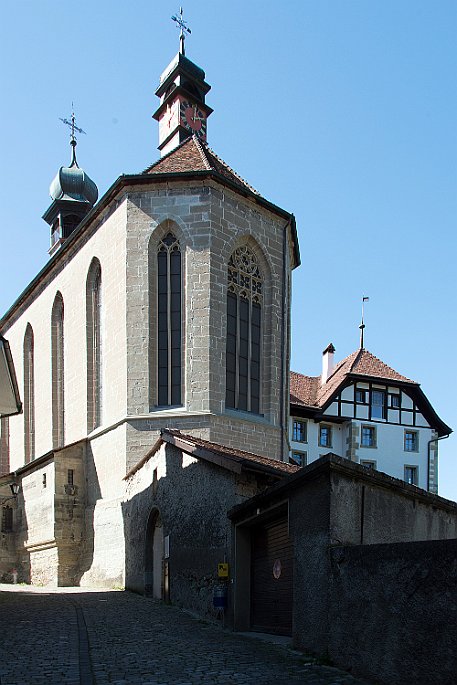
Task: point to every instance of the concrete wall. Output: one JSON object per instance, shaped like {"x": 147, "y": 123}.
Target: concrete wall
{"x": 370, "y": 508}
{"x": 393, "y": 611}
{"x": 335, "y": 505}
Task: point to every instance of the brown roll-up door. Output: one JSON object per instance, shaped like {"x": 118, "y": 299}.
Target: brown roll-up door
{"x": 271, "y": 578}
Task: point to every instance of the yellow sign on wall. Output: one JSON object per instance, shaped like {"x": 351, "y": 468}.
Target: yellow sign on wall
{"x": 223, "y": 570}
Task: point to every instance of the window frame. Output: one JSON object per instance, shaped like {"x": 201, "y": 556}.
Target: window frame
{"x": 368, "y": 463}
{"x": 373, "y": 431}
{"x": 415, "y": 440}
{"x": 383, "y": 406}
{"x": 326, "y": 427}
{"x": 301, "y": 423}
{"x": 169, "y": 358}
{"x": 414, "y": 469}
{"x": 363, "y": 393}
{"x": 302, "y": 457}
{"x": 244, "y": 332}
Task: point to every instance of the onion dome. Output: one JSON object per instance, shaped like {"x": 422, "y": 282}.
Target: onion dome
{"x": 72, "y": 183}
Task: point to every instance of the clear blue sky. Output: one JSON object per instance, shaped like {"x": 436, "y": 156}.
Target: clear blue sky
{"x": 342, "y": 112}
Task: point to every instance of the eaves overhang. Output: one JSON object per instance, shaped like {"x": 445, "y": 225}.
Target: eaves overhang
{"x": 10, "y": 401}
{"x": 128, "y": 180}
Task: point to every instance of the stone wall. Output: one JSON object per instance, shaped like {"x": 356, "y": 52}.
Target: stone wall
{"x": 190, "y": 497}
{"x": 393, "y": 611}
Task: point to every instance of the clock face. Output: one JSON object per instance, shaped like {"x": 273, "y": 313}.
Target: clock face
{"x": 193, "y": 118}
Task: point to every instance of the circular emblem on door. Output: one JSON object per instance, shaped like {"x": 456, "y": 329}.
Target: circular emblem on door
{"x": 277, "y": 568}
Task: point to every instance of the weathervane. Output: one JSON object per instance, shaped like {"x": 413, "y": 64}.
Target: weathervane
{"x": 73, "y": 128}
{"x": 362, "y": 325}
{"x": 183, "y": 26}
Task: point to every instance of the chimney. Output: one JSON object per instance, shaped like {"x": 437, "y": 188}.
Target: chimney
{"x": 327, "y": 363}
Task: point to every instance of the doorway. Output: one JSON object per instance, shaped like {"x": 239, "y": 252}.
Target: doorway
{"x": 153, "y": 566}
{"x": 271, "y": 578}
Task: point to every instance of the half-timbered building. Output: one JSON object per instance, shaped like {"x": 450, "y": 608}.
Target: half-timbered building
{"x": 365, "y": 411}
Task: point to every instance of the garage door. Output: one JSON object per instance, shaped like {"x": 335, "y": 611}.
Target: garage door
{"x": 271, "y": 578}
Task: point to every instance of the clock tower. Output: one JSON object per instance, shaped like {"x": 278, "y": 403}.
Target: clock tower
{"x": 182, "y": 111}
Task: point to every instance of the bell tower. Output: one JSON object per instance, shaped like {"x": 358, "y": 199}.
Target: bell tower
{"x": 73, "y": 195}
{"x": 182, "y": 111}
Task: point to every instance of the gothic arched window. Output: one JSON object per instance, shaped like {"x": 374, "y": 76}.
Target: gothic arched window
{"x": 57, "y": 358}
{"x": 169, "y": 321}
{"x": 29, "y": 396}
{"x": 244, "y": 306}
{"x": 94, "y": 345}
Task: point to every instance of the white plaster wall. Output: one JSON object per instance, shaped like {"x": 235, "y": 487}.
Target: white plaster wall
{"x": 391, "y": 456}
{"x": 108, "y": 245}
{"x": 312, "y": 447}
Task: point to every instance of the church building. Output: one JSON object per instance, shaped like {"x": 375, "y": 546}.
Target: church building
{"x": 164, "y": 306}
{"x": 163, "y": 445}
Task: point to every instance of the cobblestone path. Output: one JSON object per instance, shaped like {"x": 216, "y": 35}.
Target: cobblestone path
{"x": 94, "y": 638}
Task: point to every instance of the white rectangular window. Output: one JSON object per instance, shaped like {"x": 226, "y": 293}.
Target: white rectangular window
{"x": 411, "y": 475}
{"x": 368, "y": 464}
{"x": 368, "y": 436}
{"x": 378, "y": 404}
{"x": 411, "y": 441}
{"x": 300, "y": 458}
{"x": 360, "y": 396}
{"x": 325, "y": 436}
{"x": 299, "y": 432}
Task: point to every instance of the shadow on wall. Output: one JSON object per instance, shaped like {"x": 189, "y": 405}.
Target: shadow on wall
{"x": 92, "y": 493}
{"x": 12, "y": 568}
{"x": 184, "y": 513}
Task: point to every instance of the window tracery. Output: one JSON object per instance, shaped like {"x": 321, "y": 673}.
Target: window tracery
{"x": 243, "y": 352}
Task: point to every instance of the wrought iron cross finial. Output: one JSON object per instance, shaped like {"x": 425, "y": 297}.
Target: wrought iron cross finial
{"x": 178, "y": 18}
{"x": 72, "y": 124}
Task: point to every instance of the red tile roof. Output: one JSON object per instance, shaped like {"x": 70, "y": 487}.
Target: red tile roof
{"x": 195, "y": 155}
{"x": 238, "y": 456}
{"x": 308, "y": 390}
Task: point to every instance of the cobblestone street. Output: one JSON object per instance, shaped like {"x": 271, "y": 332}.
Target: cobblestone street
{"x": 75, "y": 637}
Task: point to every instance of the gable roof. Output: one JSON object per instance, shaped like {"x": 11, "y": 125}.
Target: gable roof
{"x": 195, "y": 155}
{"x": 309, "y": 392}
{"x": 227, "y": 457}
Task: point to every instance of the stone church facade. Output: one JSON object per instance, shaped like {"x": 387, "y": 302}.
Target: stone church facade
{"x": 125, "y": 333}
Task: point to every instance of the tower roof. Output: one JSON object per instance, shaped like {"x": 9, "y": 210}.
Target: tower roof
{"x": 195, "y": 155}
{"x": 72, "y": 183}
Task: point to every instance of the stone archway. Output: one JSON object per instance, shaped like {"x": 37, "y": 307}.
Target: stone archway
{"x": 153, "y": 558}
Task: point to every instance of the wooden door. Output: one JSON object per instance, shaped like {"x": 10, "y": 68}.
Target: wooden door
{"x": 271, "y": 578}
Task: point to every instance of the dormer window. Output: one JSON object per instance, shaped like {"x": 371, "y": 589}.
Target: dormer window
{"x": 378, "y": 404}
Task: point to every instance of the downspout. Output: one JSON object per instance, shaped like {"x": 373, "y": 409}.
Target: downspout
{"x": 442, "y": 437}
{"x": 284, "y": 380}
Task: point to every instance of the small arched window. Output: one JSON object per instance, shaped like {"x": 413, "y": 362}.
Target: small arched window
{"x": 169, "y": 321}
{"x": 57, "y": 358}
{"x": 94, "y": 345}
{"x": 29, "y": 396}
{"x": 244, "y": 321}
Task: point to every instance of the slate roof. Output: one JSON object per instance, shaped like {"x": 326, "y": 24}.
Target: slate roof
{"x": 195, "y": 155}
{"x": 308, "y": 390}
